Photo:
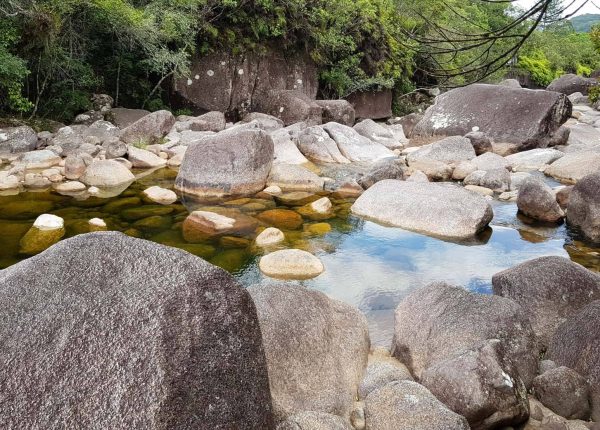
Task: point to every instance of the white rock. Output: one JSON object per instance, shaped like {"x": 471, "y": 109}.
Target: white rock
{"x": 49, "y": 222}
{"x": 270, "y": 236}
{"x": 291, "y": 264}
{"x": 9, "y": 182}
{"x": 160, "y": 195}
{"x": 274, "y": 190}
{"x": 480, "y": 190}
{"x": 144, "y": 159}
{"x": 322, "y": 206}
{"x": 70, "y": 187}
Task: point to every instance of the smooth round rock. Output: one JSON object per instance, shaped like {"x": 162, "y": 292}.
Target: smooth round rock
{"x": 270, "y": 236}
{"x": 291, "y": 264}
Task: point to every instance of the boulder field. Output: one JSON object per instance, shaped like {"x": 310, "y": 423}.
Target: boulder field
{"x": 189, "y": 348}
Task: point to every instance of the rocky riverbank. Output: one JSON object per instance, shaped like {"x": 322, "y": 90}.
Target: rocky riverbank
{"x": 132, "y": 334}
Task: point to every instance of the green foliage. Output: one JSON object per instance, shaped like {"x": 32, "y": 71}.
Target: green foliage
{"x": 556, "y": 50}
{"x": 13, "y": 70}
{"x": 584, "y": 23}
{"x": 594, "y": 94}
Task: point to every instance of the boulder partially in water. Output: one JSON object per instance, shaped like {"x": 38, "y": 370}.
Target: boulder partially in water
{"x": 97, "y": 334}
{"x": 538, "y": 201}
{"x": 316, "y": 349}
{"x": 435, "y": 209}
{"x": 583, "y": 211}
{"x": 291, "y": 264}
{"x": 550, "y": 289}
{"x": 230, "y": 163}
{"x": 527, "y": 118}
{"x": 436, "y": 322}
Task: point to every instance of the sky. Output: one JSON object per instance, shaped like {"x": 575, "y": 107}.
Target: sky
{"x": 588, "y": 8}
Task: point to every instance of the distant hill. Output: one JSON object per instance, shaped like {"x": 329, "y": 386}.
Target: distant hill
{"x": 584, "y": 23}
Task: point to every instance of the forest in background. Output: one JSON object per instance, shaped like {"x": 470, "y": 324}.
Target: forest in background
{"x": 55, "y": 53}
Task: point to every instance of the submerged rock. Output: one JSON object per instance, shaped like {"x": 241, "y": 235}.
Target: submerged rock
{"x": 154, "y": 333}
{"x": 316, "y": 349}
{"x": 46, "y": 231}
{"x": 550, "y": 290}
{"x": 435, "y": 209}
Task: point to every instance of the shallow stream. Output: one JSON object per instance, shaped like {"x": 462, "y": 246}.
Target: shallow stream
{"x": 367, "y": 265}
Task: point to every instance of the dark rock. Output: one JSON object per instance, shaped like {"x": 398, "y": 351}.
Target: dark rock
{"x": 371, "y": 104}
{"x": 385, "y": 169}
{"x": 122, "y": 117}
{"x": 316, "y": 349}
{"x": 565, "y": 392}
{"x": 233, "y": 84}
{"x": 229, "y": 163}
{"x": 438, "y": 321}
{"x": 576, "y": 345}
{"x": 149, "y": 129}
{"x": 550, "y": 290}
{"x": 97, "y": 334}
{"x": 583, "y": 211}
{"x": 570, "y": 83}
{"x": 291, "y": 106}
{"x": 481, "y": 384}
{"x": 408, "y": 405}
{"x": 537, "y": 201}
{"x": 480, "y": 141}
{"x": 511, "y": 115}
{"x": 337, "y": 111}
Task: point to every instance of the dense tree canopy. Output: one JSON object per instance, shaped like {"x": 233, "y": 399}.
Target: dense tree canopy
{"x": 55, "y": 53}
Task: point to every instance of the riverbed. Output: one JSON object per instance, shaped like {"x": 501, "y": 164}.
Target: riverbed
{"x": 367, "y": 265}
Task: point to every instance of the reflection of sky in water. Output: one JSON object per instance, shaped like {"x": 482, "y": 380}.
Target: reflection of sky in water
{"x": 374, "y": 267}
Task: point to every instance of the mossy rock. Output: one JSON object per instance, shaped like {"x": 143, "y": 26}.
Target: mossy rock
{"x": 308, "y": 212}
{"x": 153, "y": 223}
{"x": 133, "y": 233}
{"x": 281, "y": 218}
{"x": 77, "y": 226}
{"x": 90, "y": 202}
{"x": 37, "y": 240}
{"x": 319, "y": 229}
{"x": 134, "y": 214}
{"x": 202, "y": 250}
{"x": 237, "y": 202}
{"x": 25, "y": 209}
{"x": 232, "y": 260}
{"x": 234, "y": 242}
{"x": 119, "y": 205}
{"x": 254, "y": 207}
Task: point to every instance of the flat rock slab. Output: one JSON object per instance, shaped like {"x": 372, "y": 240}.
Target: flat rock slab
{"x": 434, "y": 209}
{"x": 511, "y": 115}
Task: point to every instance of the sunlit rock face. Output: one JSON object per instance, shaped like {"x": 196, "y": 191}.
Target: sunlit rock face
{"x": 527, "y": 118}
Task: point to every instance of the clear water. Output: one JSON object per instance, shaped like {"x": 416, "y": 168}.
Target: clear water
{"x": 367, "y": 265}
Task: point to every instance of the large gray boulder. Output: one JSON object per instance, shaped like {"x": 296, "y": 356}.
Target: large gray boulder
{"x": 381, "y": 370}
{"x": 354, "y": 146}
{"x": 453, "y": 149}
{"x": 123, "y": 117}
{"x": 571, "y": 83}
{"x": 291, "y": 106}
{"x": 438, "y": 321}
{"x": 550, "y": 290}
{"x": 230, "y": 163}
{"x": 285, "y": 150}
{"x": 337, "y": 111}
{"x": 583, "y": 211}
{"x": 537, "y": 200}
{"x": 574, "y": 166}
{"x": 527, "y": 118}
{"x": 316, "y": 144}
{"x": 392, "y": 168}
{"x": 316, "y": 349}
{"x": 434, "y": 209}
{"x": 583, "y": 136}
{"x": 534, "y": 159}
{"x": 378, "y": 133}
{"x": 576, "y": 345}
{"x": 563, "y": 391}
{"x": 97, "y": 334}
{"x": 107, "y": 174}
{"x": 408, "y": 405}
{"x": 149, "y": 129}
{"x": 481, "y": 384}
{"x": 18, "y": 139}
